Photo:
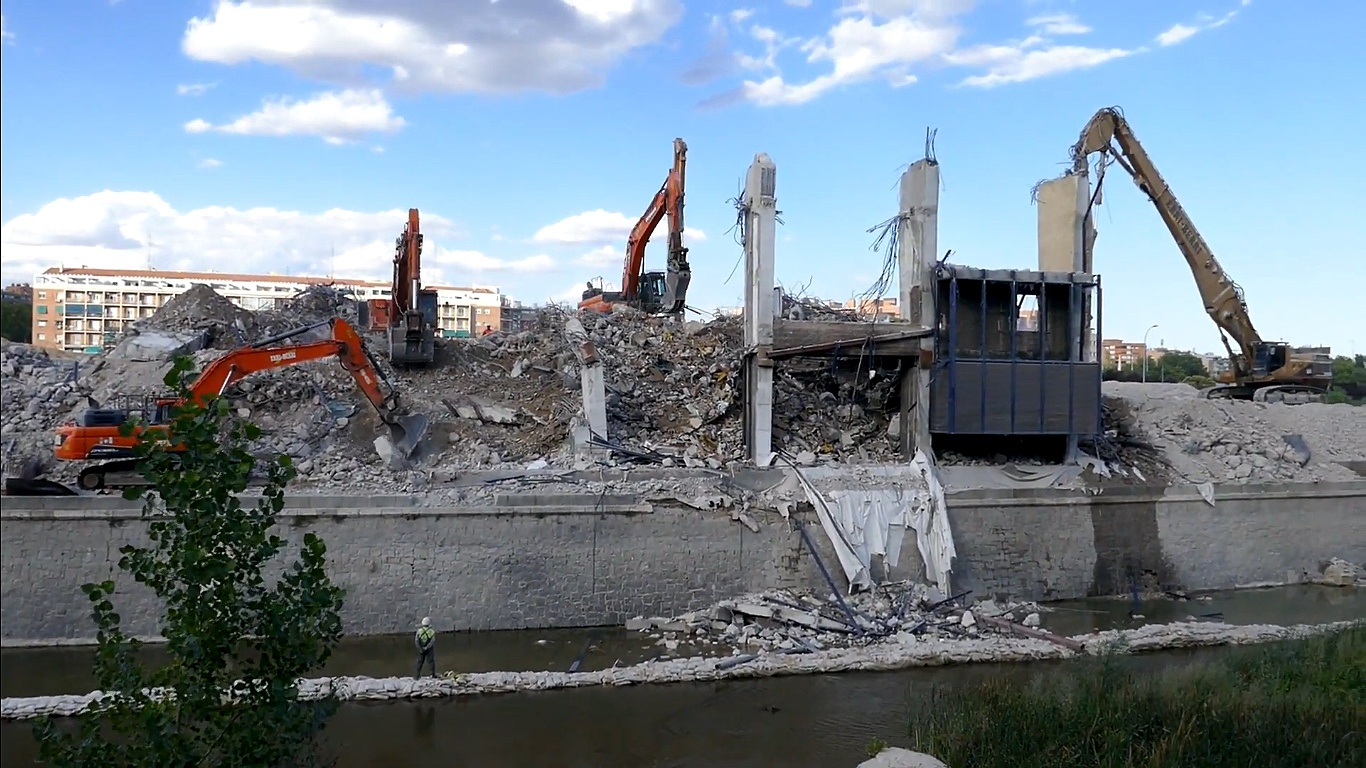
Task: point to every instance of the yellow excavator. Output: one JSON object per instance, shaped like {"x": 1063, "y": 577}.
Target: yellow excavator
{"x": 1259, "y": 370}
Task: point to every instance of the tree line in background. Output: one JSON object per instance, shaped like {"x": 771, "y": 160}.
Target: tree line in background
{"x": 16, "y": 320}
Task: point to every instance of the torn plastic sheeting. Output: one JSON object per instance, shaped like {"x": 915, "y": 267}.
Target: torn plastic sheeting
{"x": 934, "y": 536}
{"x": 872, "y": 523}
{"x": 855, "y": 569}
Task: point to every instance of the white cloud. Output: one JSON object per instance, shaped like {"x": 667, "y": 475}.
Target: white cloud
{"x": 5, "y": 34}
{"x": 604, "y": 256}
{"x": 798, "y": 3}
{"x": 740, "y": 14}
{"x": 1059, "y": 24}
{"x": 1176, "y": 33}
{"x": 1008, "y": 64}
{"x": 336, "y": 116}
{"x": 209, "y": 163}
{"x": 598, "y": 227}
{"x": 890, "y": 40}
{"x": 121, "y": 229}
{"x": 193, "y": 89}
{"x": 1179, "y": 33}
{"x": 559, "y": 46}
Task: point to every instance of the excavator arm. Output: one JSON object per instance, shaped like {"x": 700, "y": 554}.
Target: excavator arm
{"x": 636, "y": 287}
{"x": 95, "y": 438}
{"x": 1109, "y": 133}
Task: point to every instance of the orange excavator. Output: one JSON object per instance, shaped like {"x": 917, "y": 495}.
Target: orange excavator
{"x": 653, "y": 292}
{"x": 96, "y": 434}
{"x": 408, "y": 317}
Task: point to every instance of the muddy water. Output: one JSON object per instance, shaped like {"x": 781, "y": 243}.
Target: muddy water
{"x": 823, "y": 720}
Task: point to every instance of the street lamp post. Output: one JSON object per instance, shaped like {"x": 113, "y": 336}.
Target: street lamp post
{"x": 1145, "y": 351}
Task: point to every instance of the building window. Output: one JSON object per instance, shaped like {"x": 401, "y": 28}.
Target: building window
{"x": 42, "y": 323}
{"x": 42, "y": 294}
{"x": 42, "y": 337}
{"x": 42, "y": 310}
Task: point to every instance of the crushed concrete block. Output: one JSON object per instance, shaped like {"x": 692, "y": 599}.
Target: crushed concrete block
{"x": 153, "y": 346}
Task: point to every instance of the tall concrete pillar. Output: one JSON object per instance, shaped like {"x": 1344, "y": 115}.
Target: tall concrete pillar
{"x": 594, "y": 389}
{"x": 1066, "y": 239}
{"x": 759, "y": 204}
{"x": 918, "y": 236}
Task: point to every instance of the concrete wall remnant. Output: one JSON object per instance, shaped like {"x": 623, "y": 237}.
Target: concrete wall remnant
{"x": 759, "y": 228}
{"x": 566, "y": 564}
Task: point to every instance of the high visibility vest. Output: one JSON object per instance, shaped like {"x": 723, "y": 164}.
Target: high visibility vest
{"x": 425, "y": 635}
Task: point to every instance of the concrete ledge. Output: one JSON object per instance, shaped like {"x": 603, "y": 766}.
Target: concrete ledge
{"x": 1052, "y": 497}
{"x": 135, "y": 513}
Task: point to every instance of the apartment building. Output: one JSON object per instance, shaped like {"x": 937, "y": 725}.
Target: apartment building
{"x": 1115, "y": 353}
{"x": 86, "y": 310}
{"x": 875, "y": 309}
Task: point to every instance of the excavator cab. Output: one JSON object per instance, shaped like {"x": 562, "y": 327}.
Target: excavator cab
{"x": 653, "y": 286}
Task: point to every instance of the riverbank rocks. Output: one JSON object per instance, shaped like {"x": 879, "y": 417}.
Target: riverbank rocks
{"x": 885, "y": 656}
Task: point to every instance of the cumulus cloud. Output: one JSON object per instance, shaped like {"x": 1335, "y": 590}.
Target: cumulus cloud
{"x": 123, "y": 230}
{"x": 602, "y": 256}
{"x": 894, "y": 40}
{"x": 475, "y": 46}
{"x": 5, "y": 34}
{"x": 336, "y": 116}
{"x": 597, "y": 227}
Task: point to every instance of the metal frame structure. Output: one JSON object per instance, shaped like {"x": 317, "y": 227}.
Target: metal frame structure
{"x": 1079, "y": 398}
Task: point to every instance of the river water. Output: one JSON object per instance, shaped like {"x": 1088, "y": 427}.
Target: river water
{"x": 820, "y": 720}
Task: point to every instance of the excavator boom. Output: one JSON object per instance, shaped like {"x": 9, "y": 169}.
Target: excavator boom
{"x": 1109, "y": 132}
{"x": 97, "y": 433}
{"x": 653, "y": 292}
{"x": 1257, "y": 364}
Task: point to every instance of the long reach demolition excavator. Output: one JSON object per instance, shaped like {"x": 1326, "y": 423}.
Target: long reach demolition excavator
{"x": 656, "y": 293}
{"x": 1259, "y": 369}
{"x": 96, "y": 432}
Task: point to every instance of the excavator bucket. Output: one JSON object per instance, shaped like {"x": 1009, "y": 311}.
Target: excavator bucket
{"x": 407, "y": 432}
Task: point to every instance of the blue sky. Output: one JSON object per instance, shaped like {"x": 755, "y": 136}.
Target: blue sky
{"x": 292, "y": 136}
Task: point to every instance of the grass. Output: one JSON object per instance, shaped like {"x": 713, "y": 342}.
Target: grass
{"x": 1299, "y": 703}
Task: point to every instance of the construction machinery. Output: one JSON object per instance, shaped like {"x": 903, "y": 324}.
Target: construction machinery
{"x": 97, "y": 433}
{"x": 655, "y": 292}
{"x": 407, "y": 319}
{"x": 1259, "y": 369}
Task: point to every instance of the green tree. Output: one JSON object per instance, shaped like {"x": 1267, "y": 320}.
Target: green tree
{"x": 229, "y": 624}
{"x": 16, "y": 320}
{"x": 1176, "y": 366}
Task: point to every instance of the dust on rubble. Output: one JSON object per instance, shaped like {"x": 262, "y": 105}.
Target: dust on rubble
{"x": 1169, "y": 431}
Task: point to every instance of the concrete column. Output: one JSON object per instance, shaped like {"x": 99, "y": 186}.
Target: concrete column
{"x": 1066, "y": 238}
{"x": 760, "y": 227}
{"x": 594, "y": 389}
{"x": 918, "y": 236}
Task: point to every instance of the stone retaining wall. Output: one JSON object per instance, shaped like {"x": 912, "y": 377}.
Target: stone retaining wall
{"x": 565, "y": 565}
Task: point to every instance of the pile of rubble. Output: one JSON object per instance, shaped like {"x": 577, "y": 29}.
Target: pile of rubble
{"x": 797, "y": 622}
{"x": 673, "y": 392}
{"x": 1233, "y": 441}
{"x": 38, "y": 391}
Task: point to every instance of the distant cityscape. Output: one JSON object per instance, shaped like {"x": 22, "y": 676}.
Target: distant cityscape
{"x": 86, "y": 310}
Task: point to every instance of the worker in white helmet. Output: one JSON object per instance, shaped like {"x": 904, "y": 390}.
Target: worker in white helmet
{"x": 425, "y": 640}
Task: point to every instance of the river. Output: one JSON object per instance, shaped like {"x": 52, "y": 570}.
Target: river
{"x": 819, "y": 720}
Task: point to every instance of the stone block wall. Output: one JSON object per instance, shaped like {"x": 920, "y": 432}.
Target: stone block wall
{"x": 504, "y": 567}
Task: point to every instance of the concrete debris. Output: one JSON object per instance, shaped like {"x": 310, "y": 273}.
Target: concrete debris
{"x": 509, "y": 401}
{"x": 881, "y": 657}
{"x": 800, "y": 622}
{"x": 1339, "y": 573}
{"x": 1167, "y": 431}
{"x": 896, "y": 757}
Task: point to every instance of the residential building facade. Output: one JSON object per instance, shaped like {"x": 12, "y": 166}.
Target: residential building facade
{"x": 1115, "y": 353}
{"x": 86, "y": 310}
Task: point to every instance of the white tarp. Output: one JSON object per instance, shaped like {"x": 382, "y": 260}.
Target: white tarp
{"x": 868, "y": 514}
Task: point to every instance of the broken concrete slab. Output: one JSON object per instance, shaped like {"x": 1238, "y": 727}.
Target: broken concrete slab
{"x": 155, "y": 346}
